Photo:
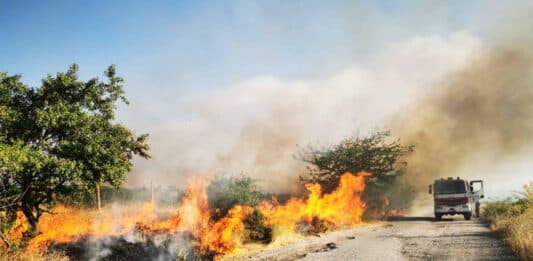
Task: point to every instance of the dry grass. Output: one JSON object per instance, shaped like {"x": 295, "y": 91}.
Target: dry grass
{"x": 514, "y": 220}
{"x": 25, "y": 256}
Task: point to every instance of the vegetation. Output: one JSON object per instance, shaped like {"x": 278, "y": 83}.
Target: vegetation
{"x": 19, "y": 255}
{"x": 374, "y": 154}
{"x": 226, "y": 192}
{"x": 59, "y": 138}
{"x": 514, "y": 220}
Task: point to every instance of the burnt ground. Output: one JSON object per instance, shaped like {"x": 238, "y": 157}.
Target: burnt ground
{"x": 401, "y": 238}
{"x": 125, "y": 249}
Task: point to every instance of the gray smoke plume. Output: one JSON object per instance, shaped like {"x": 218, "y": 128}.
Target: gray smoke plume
{"x": 484, "y": 110}
{"x": 475, "y": 119}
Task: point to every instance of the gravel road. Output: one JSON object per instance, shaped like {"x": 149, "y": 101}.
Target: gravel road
{"x": 399, "y": 239}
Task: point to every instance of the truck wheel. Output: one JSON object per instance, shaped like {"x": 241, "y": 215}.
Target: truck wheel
{"x": 438, "y": 217}
{"x": 468, "y": 216}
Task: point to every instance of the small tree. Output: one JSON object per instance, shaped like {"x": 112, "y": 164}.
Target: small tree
{"x": 373, "y": 154}
{"x": 60, "y": 137}
{"x": 226, "y": 192}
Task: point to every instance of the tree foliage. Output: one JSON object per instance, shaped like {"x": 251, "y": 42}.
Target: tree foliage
{"x": 226, "y": 192}
{"x": 375, "y": 154}
{"x": 61, "y": 137}
{"x": 372, "y": 154}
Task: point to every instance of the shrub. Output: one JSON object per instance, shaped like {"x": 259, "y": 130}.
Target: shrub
{"x": 226, "y": 192}
{"x": 376, "y": 154}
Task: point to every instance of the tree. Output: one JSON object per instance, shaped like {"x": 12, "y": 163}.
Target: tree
{"x": 61, "y": 137}
{"x": 226, "y": 192}
{"x": 373, "y": 154}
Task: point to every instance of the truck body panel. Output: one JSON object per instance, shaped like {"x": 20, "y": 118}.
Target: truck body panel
{"x": 456, "y": 197}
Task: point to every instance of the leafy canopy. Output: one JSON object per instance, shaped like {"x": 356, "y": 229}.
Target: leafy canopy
{"x": 60, "y": 137}
{"x": 375, "y": 154}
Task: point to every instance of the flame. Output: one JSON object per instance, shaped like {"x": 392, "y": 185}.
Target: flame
{"x": 193, "y": 216}
{"x": 225, "y": 235}
{"x": 341, "y": 207}
{"x": 317, "y": 212}
{"x": 70, "y": 224}
{"x": 18, "y": 228}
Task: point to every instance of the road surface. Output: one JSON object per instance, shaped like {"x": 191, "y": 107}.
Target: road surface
{"x": 399, "y": 239}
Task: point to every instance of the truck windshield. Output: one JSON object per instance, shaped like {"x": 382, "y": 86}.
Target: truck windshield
{"x": 450, "y": 187}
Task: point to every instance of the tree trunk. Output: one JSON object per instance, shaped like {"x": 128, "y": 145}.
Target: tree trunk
{"x": 98, "y": 200}
{"x": 32, "y": 220}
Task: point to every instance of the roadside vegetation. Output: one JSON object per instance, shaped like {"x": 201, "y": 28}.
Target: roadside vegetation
{"x": 18, "y": 255}
{"x": 60, "y": 143}
{"x": 377, "y": 154}
{"x": 513, "y": 218}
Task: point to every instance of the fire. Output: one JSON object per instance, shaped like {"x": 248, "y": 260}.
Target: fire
{"x": 226, "y": 234}
{"x": 341, "y": 207}
{"x": 192, "y": 217}
{"x": 70, "y": 224}
{"x": 20, "y": 225}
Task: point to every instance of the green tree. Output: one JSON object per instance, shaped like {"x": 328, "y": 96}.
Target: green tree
{"x": 375, "y": 154}
{"x": 226, "y": 192}
{"x": 61, "y": 137}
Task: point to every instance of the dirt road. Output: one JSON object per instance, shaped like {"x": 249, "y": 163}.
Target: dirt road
{"x": 399, "y": 239}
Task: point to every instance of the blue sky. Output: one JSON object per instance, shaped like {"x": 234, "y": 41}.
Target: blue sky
{"x": 174, "y": 48}
{"x": 196, "y": 44}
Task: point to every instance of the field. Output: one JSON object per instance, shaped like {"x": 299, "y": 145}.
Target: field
{"x": 513, "y": 219}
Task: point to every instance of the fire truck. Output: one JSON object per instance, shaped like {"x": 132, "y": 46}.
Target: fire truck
{"x": 456, "y": 197}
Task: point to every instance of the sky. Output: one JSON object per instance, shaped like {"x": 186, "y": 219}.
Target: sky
{"x": 177, "y": 47}
{"x": 190, "y": 64}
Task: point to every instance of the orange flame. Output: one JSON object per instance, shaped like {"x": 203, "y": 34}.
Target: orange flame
{"x": 340, "y": 208}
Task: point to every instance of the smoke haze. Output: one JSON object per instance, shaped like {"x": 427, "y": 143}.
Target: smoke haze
{"x": 462, "y": 101}
{"x": 254, "y": 127}
{"x": 474, "y": 120}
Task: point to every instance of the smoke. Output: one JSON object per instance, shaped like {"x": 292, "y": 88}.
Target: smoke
{"x": 475, "y": 119}
{"x": 254, "y": 127}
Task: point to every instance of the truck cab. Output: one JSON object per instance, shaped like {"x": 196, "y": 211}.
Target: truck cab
{"x": 456, "y": 197}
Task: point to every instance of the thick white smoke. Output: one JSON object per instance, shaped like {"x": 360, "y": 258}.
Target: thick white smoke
{"x": 254, "y": 127}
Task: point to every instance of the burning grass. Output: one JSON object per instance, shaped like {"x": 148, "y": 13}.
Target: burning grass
{"x": 192, "y": 225}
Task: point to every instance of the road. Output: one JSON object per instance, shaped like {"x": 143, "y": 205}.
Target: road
{"x": 400, "y": 239}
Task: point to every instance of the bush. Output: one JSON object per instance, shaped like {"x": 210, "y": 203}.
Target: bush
{"x": 226, "y": 192}
{"x": 514, "y": 220}
{"x": 376, "y": 154}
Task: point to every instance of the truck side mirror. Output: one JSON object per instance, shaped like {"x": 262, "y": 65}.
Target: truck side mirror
{"x": 430, "y": 189}
{"x": 482, "y": 196}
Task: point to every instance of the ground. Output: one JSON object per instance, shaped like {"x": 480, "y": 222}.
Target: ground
{"x": 415, "y": 238}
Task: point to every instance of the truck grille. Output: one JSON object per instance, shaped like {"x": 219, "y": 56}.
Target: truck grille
{"x": 451, "y": 201}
